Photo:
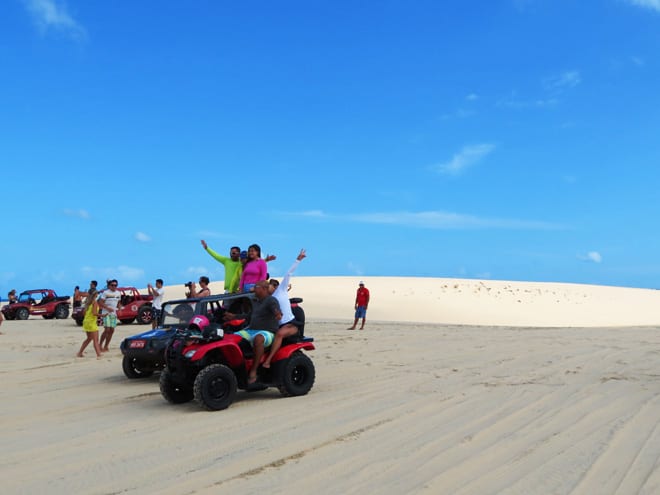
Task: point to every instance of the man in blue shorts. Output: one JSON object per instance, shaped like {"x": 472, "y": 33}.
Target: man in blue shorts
{"x": 264, "y": 322}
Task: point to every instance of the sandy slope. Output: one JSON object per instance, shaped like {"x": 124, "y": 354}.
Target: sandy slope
{"x": 397, "y": 408}
{"x": 474, "y": 302}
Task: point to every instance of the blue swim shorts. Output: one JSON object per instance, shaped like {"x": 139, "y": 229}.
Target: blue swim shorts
{"x": 361, "y": 312}
{"x": 249, "y": 335}
{"x": 110, "y": 320}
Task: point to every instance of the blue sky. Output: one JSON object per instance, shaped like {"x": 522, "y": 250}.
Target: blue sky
{"x": 503, "y": 139}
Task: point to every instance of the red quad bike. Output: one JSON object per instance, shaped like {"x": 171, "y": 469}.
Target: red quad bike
{"x": 210, "y": 366}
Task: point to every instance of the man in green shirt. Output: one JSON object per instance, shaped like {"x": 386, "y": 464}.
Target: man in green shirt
{"x": 231, "y": 264}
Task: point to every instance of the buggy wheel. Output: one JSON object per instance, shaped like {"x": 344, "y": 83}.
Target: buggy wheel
{"x": 22, "y": 314}
{"x": 61, "y": 312}
{"x": 297, "y": 375}
{"x": 48, "y": 317}
{"x": 145, "y": 315}
{"x": 215, "y": 387}
{"x": 132, "y": 368}
{"x": 173, "y": 392}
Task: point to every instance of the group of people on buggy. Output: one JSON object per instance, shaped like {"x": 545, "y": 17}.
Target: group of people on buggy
{"x": 270, "y": 320}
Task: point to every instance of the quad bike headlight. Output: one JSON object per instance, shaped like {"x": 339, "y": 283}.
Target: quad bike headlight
{"x": 190, "y": 354}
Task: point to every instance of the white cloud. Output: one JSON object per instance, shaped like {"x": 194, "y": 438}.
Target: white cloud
{"x": 468, "y": 156}
{"x": 80, "y": 213}
{"x": 434, "y": 220}
{"x": 48, "y": 14}
{"x": 650, "y": 4}
{"x": 313, "y": 213}
{"x": 638, "y": 61}
{"x": 448, "y": 220}
{"x": 142, "y": 237}
{"x": 565, "y": 80}
{"x": 592, "y": 256}
{"x": 513, "y": 101}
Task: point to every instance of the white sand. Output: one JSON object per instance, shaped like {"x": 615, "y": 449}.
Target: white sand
{"x": 437, "y": 407}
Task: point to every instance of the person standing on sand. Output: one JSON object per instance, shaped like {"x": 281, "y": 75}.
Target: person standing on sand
{"x": 361, "y": 305}
{"x": 91, "y": 311}
{"x": 157, "y": 304}
{"x": 109, "y": 302}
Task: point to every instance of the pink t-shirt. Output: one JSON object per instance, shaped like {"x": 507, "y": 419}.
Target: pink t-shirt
{"x": 253, "y": 271}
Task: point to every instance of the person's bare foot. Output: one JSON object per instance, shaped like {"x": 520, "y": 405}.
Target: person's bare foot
{"x": 98, "y": 356}
{"x": 266, "y": 364}
{"x": 105, "y": 349}
{"x": 80, "y": 354}
{"x": 252, "y": 379}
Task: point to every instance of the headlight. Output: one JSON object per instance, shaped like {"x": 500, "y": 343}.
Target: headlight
{"x": 190, "y": 354}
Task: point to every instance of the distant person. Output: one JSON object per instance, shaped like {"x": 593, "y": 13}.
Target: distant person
{"x": 231, "y": 264}
{"x": 287, "y": 323}
{"x": 78, "y": 297}
{"x": 91, "y": 312}
{"x": 361, "y": 305}
{"x": 157, "y": 304}
{"x": 2, "y": 318}
{"x": 254, "y": 269}
{"x": 109, "y": 302}
{"x": 11, "y": 295}
{"x": 203, "y": 290}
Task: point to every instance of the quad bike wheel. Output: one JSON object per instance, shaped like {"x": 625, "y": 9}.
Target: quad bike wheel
{"x": 215, "y": 387}
{"x": 145, "y": 315}
{"x": 22, "y": 314}
{"x": 173, "y": 392}
{"x": 297, "y": 375}
{"x": 133, "y": 369}
{"x": 61, "y": 312}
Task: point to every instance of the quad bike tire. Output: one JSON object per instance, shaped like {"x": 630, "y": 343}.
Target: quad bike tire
{"x": 133, "y": 369}
{"x": 22, "y": 314}
{"x": 61, "y": 312}
{"x": 173, "y": 392}
{"x": 145, "y": 315}
{"x": 297, "y": 375}
{"x": 215, "y": 387}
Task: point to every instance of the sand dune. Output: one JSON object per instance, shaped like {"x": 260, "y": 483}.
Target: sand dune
{"x": 405, "y": 406}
